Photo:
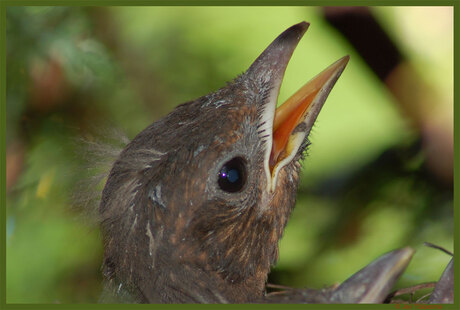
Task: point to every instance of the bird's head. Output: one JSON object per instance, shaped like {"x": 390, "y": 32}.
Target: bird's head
{"x": 204, "y": 193}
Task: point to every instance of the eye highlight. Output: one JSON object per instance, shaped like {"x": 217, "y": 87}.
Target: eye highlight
{"x": 232, "y": 175}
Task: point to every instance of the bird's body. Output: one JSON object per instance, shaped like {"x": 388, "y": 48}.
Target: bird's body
{"x": 172, "y": 226}
{"x": 178, "y": 218}
{"x": 196, "y": 203}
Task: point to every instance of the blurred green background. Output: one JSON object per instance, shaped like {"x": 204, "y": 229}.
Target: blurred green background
{"x": 379, "y": 172}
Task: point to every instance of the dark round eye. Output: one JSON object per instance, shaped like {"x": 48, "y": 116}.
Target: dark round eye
{"x": 232, "y": 175}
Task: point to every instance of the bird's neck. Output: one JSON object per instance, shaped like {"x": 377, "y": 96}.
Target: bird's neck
{"x": 174, "y": 283}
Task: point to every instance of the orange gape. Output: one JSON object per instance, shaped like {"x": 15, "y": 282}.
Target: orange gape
{"x": 287, "y": 117}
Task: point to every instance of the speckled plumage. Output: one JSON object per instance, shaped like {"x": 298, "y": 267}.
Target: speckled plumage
{"x": 171, "y": 235}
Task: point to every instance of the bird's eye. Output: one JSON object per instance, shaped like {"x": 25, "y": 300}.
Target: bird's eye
{"x": 232, "y": 175}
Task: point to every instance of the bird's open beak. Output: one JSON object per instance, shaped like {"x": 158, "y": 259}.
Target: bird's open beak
{"x": 296, "y": 116}
{"x": 287, "y": 128}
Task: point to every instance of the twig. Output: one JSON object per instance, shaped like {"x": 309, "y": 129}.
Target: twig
{"x": 434, "y": 246}
{"x": 410, "y": 290}
{"x": 277, "y": 286}
{"x": 423, "y": 297}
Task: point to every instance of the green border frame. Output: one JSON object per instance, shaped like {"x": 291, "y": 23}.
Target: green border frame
{"x": 5, "y": 3}
{"x": 2, "y": 153}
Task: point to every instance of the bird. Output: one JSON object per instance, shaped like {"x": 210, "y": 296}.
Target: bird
{"x": 194, "y": 206}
